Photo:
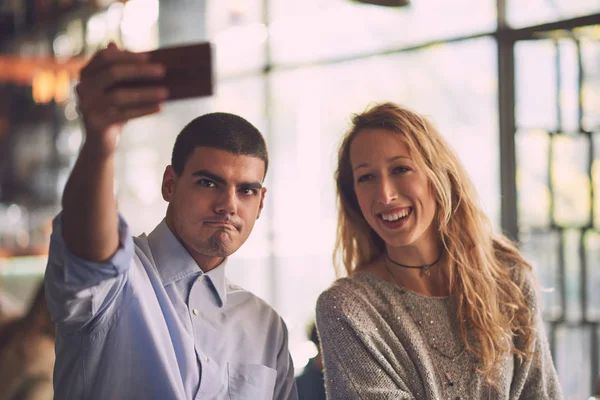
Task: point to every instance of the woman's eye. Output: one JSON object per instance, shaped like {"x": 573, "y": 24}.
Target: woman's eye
{"x": 400, "y": 170}
{"x": 364, "y": 178}
{"x": 206, "y": 183}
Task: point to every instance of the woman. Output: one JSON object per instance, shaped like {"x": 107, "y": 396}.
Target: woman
{"x": 434, "y": 306}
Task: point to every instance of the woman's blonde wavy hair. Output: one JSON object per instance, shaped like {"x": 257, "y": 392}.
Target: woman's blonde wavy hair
{"x": 486, "y": 273}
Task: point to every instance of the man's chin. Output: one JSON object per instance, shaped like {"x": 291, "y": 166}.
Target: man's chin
{"x": 220, "y": 248}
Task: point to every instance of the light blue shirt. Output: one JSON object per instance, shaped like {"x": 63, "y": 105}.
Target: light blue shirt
{"x": 149, "y": 324}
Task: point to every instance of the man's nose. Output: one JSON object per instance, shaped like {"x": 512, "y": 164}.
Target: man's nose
{"x": 227, "y": 202}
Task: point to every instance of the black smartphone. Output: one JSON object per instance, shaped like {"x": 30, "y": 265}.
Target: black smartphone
{"x": 189, "y": 71}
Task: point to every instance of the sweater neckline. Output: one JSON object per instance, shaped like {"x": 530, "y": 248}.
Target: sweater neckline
{"x": 402, "y": 289}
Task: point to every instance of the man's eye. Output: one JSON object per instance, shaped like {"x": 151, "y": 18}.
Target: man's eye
{"x": 248, "y": 191}
{"x": 206, "y": 183}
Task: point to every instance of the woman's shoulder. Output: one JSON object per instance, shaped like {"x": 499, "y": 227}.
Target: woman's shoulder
{"x": 349, "y": 294}
{"x": 339, "y": 290}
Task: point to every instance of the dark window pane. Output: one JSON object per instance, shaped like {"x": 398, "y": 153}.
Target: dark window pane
{"x": 571, "y": 180}
{"x": 542, "y": 250}
{"x": 533, "y": 178}
{"x": 535, "y": 85}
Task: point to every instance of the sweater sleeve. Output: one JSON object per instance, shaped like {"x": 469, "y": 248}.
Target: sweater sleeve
{"x": 536, "y": 377}
{"x": 357, "y": 363}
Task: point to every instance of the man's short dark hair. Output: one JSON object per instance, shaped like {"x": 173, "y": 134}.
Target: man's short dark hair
{"x": 221, "y": 131}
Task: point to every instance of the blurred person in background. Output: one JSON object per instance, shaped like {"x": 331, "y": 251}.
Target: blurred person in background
{"x": 434, "y": 305}
{"x": 310, "y": 382}
{"x": 154, "y": 317}
{"x": 27, "y": 354}
{"x": 9, "y": 308}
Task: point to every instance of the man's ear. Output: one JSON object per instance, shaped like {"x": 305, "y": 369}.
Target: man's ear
{"x": 263, "y": 192}
{"x": 168, "y": 183}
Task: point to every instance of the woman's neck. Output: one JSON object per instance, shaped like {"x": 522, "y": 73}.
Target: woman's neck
{"x": 426, "y": 252}
{"x": 430, "y": 280}
{"x": 435, "y": 283}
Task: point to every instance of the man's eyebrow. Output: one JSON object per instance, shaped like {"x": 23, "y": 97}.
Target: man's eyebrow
{"x": 251, "y": 185}
{"x": 211, "y": 175}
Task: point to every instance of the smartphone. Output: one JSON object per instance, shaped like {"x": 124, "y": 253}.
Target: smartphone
{"x": 189, "y": 70}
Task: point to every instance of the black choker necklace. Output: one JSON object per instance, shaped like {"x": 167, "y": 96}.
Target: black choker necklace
{"x": 424, "y": 268}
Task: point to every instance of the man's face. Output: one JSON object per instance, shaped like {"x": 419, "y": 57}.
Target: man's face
{"x": 214, "y": 203}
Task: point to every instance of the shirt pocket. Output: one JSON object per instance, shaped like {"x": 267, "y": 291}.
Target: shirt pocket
{"x": 251, "y": 381}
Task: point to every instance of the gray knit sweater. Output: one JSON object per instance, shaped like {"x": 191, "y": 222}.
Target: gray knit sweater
{"x": 383, "y": 342}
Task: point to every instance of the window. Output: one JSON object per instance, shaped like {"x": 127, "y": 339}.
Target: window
{"x": 557, "y": 186}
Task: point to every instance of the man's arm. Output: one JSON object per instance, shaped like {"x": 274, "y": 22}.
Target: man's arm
{"x": 90, "y": 223}
{"x": 90, "y": 248}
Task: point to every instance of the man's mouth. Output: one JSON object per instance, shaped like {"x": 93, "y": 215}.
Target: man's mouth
{"x": 222, "y": 224}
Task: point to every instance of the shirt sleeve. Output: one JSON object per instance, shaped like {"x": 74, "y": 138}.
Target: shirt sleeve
{"x": 81, "y": 294}
{"x": 285, "y": 386}
{"x": 354, "y": 367}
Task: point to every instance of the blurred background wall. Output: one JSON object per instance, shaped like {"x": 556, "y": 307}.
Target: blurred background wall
{"x": 514, "y": 85}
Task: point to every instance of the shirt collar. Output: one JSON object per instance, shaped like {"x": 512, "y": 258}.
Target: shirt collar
{"x": 174, "y": 263}
{"x": 219, "y": 281}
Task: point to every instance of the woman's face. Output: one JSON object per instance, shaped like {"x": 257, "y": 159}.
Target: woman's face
{"x": 393, "y": 192}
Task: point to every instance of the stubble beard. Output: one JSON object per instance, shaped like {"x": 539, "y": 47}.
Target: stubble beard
{"x": 219, "y": 244}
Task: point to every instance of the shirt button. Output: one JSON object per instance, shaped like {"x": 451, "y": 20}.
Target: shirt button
{"x": 204, "y": 358}
{"x": 195, "y": 311}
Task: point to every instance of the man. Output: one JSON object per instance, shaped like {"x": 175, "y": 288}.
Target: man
{"x": 154, "y": 317}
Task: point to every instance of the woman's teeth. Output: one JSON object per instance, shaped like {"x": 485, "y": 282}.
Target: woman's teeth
{"x": 395, "y": 216}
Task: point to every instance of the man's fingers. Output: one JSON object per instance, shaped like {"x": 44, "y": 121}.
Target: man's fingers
{"x": 142, "y": 111}
{"x": 116, "y": 115}
{"x": 96, "y": 89}
{"x": 117, "y": 73}
{"x": 113, "y": 75}
{"x": 137, "y": 97}
{"x": 112, "y": 55}
{"x": 107, "y": 104}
